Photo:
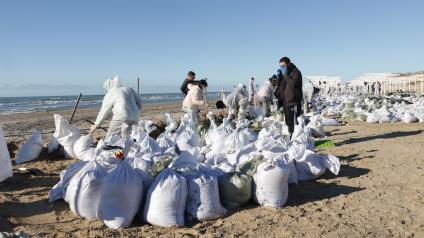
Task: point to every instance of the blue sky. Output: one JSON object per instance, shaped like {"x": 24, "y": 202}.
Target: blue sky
{"x": 66, "y": 47}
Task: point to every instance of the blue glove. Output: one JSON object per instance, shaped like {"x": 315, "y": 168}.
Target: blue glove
{"x": 282, "y": 70}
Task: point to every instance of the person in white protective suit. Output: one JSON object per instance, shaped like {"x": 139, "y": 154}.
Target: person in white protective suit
{"x": 251, "y": 90}
{"x": 265, "y": 96}
{"x": 377, "y": 88}
{"x": 308, "y": 93}
{"x": 236, "y": 102}
{"x": 124, "y": 103}
{"x": 194, "y": 99}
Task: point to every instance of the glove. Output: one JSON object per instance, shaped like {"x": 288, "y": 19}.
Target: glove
{"x": 93, "y": 128}
{"x": 282, "y": 70}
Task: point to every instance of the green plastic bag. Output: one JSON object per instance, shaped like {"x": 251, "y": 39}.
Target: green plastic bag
{"x": 321, "y": 144}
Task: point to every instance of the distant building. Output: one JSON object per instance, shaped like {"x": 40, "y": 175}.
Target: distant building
{"x": 372, "y": 77}
{"x": 324, "y": 80}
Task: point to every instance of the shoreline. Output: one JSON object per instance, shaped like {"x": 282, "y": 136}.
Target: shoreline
{"x": 18, "y": 127}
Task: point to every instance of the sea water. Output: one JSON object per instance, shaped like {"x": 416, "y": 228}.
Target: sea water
{"x": 10, "y": 105}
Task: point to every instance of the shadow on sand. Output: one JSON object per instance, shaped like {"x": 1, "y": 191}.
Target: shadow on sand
{"x": 390, "y": 135}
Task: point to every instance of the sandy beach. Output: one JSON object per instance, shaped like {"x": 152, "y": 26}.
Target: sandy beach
{"x": 378, "y": 193}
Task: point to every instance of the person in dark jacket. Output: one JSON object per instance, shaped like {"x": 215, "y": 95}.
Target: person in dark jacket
{"x": 289, "y": 91}
{"x": 188, "y": 80}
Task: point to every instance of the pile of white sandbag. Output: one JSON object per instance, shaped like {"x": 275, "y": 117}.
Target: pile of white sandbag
{"x": 406, "y": 108}
{"x": 180, "y": 177}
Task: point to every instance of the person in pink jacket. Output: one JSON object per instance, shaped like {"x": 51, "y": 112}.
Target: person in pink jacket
{"x": 194, "y": 100}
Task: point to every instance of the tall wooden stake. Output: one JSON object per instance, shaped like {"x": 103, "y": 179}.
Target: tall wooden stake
{"x": 138, "y": 85}
{"x": 75, "y": 108}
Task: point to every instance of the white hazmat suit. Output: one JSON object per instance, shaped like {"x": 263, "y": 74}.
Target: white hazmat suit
{"x": 236, "y": 101}
{"x": 123, "y": 102}
{"x": 265, "y": 96}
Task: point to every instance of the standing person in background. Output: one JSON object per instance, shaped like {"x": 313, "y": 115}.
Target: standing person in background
{"x": 251, "y": 90}
{"x": 377, "y": 88}
{"x": 189, "y": 79}
{"x": 265, "y": 96}
{"x": 124, "y": 103}
{"x": 194, "y": 99}
{"x": 290, "y": 91}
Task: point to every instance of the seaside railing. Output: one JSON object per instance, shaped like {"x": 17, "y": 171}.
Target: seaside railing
{"x": 415, "y": 85}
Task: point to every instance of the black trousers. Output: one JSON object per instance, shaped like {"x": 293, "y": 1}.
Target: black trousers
{"x": 291, "y": 113}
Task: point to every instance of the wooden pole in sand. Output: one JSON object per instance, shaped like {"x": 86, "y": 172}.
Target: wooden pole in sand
{"x": 138, "y": 86}
{"x": 206, "y": 96}
{"x": 75, "y": 108}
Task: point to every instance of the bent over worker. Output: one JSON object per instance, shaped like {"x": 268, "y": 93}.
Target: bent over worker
{"x": 123, "y": 102}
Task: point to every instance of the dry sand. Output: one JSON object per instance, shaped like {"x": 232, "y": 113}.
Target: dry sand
{"x": 378, "y": 193}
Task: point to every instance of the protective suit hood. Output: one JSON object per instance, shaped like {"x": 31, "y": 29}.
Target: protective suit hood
{"x": 112, "y": 83}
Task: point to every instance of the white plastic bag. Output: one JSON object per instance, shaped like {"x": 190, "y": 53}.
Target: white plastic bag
{"x": 31, "y": 149}
{"x": 5, "y": 163}
{"x": 166, "y": 199}
{"x": 85, "y": 189}
{"x": 271, "y": 185}
{"x": 83, "y": 148}
{"x": 66, "y": 135}
{"x": 121, "y": 196}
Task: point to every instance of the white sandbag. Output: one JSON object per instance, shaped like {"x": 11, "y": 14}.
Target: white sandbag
{"x": 5, "y": 162}
{"x": 361, "y": 117}
{"x": 165, "y": 143}
{"x": 235, "y": 189}
{"x": 284, "y": 161}
{"x": 330, "y": 122}
{"x": 409, "y": 118}
{"x": 203, "y": 201}
{"x": 373, "y": 118}
{"x": 66, "y": 135}
{"x": 58, "y": 191}
{"x": 218, "y": 138}
{"x": 85, "y": 189}
{"x": 331, "y": 162}
{"x": 121, "y": 196}
{"x": 166, "y": 200}
{"x": 270, "y": 144}
{"x": 83, "y": 148}
{"x": 149, "y": 145}
{"x": 236, "y": 140}
{"x": 190, "y": 136}
{"x": 384, "y": 119}
{"x": 271, "y": 185}
{"x": 31, "y": 149}
{"x": 52, "y": 145}
{"x": 144, "y": 168}
{"x": 311, "y": 166}
{"x": 316, "y": 126}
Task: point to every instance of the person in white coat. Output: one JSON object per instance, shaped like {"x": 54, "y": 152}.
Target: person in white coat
{"x": 194, "y": 99}
{"x": 251, "y": 90}
{"x": 124, "y": 103}
{"x": 265, "y": 96}
{"x": 236, "y": 102}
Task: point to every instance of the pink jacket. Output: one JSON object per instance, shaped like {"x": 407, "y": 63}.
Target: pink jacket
{"x": 194, "y": 97}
